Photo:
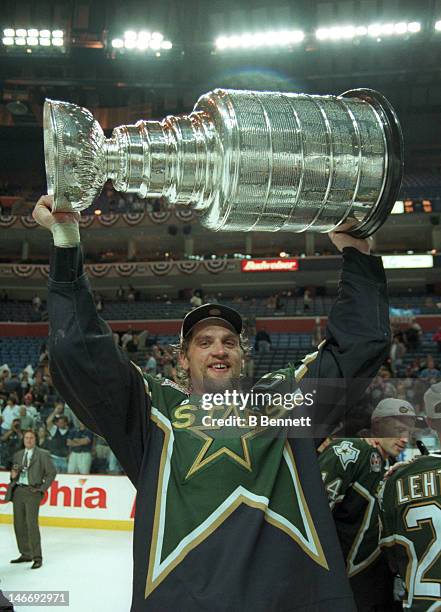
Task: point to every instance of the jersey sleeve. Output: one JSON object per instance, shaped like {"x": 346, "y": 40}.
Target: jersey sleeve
{"x": 106, "y": 392}
{"x": 386, "y": 506}
{"x": 357, "y": 341}
{"x": 339, "y": 464}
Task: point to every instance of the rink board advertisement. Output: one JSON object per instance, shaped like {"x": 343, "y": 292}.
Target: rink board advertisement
{"x": 74, "y": 500}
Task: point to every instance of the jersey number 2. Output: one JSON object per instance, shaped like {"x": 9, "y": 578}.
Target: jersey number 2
{"x": 415, "y": 516}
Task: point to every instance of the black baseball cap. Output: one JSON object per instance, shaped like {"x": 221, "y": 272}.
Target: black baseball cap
{"x": 211, "y": 311}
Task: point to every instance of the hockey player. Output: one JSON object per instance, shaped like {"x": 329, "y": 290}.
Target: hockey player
{"x": 219, "y": 525}
{"x": 352, "y": 470}
{"x": 410, "y": 513}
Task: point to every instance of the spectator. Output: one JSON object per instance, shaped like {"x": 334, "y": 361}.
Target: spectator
{"x": 30, "y": 372}
{"x": 128, "y": 335}
{"x": 262, "y": 341}
{"x": 389, "y": 389}
{"x": 80, "y": 443}
{"x": 131, "y": 294}
{"x": 99, "y": 302}
{"x": 40, "y": 388}
{"x": 100, "y": 462}
{"x": 132, "y": 344}
{"x": 279, "y": 304}
{"x": 11, "y": 442}
{"x": 413, "y": 336}
{"x": 26, "y": 421}
{"x": 151, "y": 365}
{"x": 271, "y": 302}
{"x": 114, "y": 465}
{"x": 43, "y": 438}
{"x": 196, "y": 299}
{"x": 248, "y": 367}
{"x": 36, "y": 302}
{"x": 58, "y": 428}
{"x": 142, "y": 339}
{"x": 120, "y": 293}
{"x": 64, "y": 410}
{"x": 169, "y": 366}
{"x": 43, "y": 359}
{"x": 430, "y": 370}
{"x": 5, "y": 370}
{"x": 413, "y": 370}
{"x": 307, "y": 300}
{"x": 25, "y": 383}
{"x": 10, "y": 412}
{"x": 318, "y": 334}
{"x": 30, "y": 408}
{"x": 437, "y": 338}
{"x": 12, "y": 385}
{"x": 397, "y": 352}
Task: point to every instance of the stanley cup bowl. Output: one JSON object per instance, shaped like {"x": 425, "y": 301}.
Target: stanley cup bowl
{"x": 247, "y": 161}
{"x": 74, "y": 155}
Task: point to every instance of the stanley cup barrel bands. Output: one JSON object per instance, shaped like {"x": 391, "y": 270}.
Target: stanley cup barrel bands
{"x": 247, "y": 160}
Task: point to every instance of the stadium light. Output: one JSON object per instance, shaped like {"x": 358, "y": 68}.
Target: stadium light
{"x": 374, "y": 30}
{"x": 141, "y": 41}
{"x": 414, "y": 27}
{"x": 400, "y": 28}
{"x": 438, "y": 26}
{"x": 32, "y": 37}
{"x": 155, "y": 44}
{"x": 256, "y": 40}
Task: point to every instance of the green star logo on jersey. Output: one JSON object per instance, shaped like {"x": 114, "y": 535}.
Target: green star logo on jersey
{"x": 218, "y": 474}
{"x": 228, "y": 443}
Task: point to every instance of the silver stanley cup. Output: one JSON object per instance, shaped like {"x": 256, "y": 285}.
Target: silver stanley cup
{"x": 246, "y": 160}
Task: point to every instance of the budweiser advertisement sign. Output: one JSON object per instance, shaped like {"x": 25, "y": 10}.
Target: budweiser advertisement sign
{"x": 270, "y": 265}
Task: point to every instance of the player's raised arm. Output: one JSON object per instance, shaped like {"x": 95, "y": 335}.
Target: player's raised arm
{"x": 90, "y": 372}
{"x": 357, "y": 334}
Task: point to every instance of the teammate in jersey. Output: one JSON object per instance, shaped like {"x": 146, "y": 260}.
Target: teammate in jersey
{"x": 352, "y": 471}
{"x": 410, "y": 513}
{"x": 221, "y": 524}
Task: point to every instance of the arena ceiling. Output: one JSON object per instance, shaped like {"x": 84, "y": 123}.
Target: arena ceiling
{"x": 89, "y": 71}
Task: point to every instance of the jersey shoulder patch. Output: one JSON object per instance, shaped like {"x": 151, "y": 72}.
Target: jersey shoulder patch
{"x": 346, "y": 452}
{"x": 375, "y": 462}
{"x": 166, "y": 382}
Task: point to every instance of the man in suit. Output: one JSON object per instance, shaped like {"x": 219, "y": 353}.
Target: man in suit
{"x": 32, "y": 473}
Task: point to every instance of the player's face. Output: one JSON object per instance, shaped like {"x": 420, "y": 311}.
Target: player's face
{"x": 393, "y": 427}
{"x": 214, "y": 357}
{"x": 393, "y": 446}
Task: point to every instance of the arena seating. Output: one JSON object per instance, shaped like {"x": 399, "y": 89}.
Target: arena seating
{"x": 18, "y": 352}
{"x": 292, "y": 306}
